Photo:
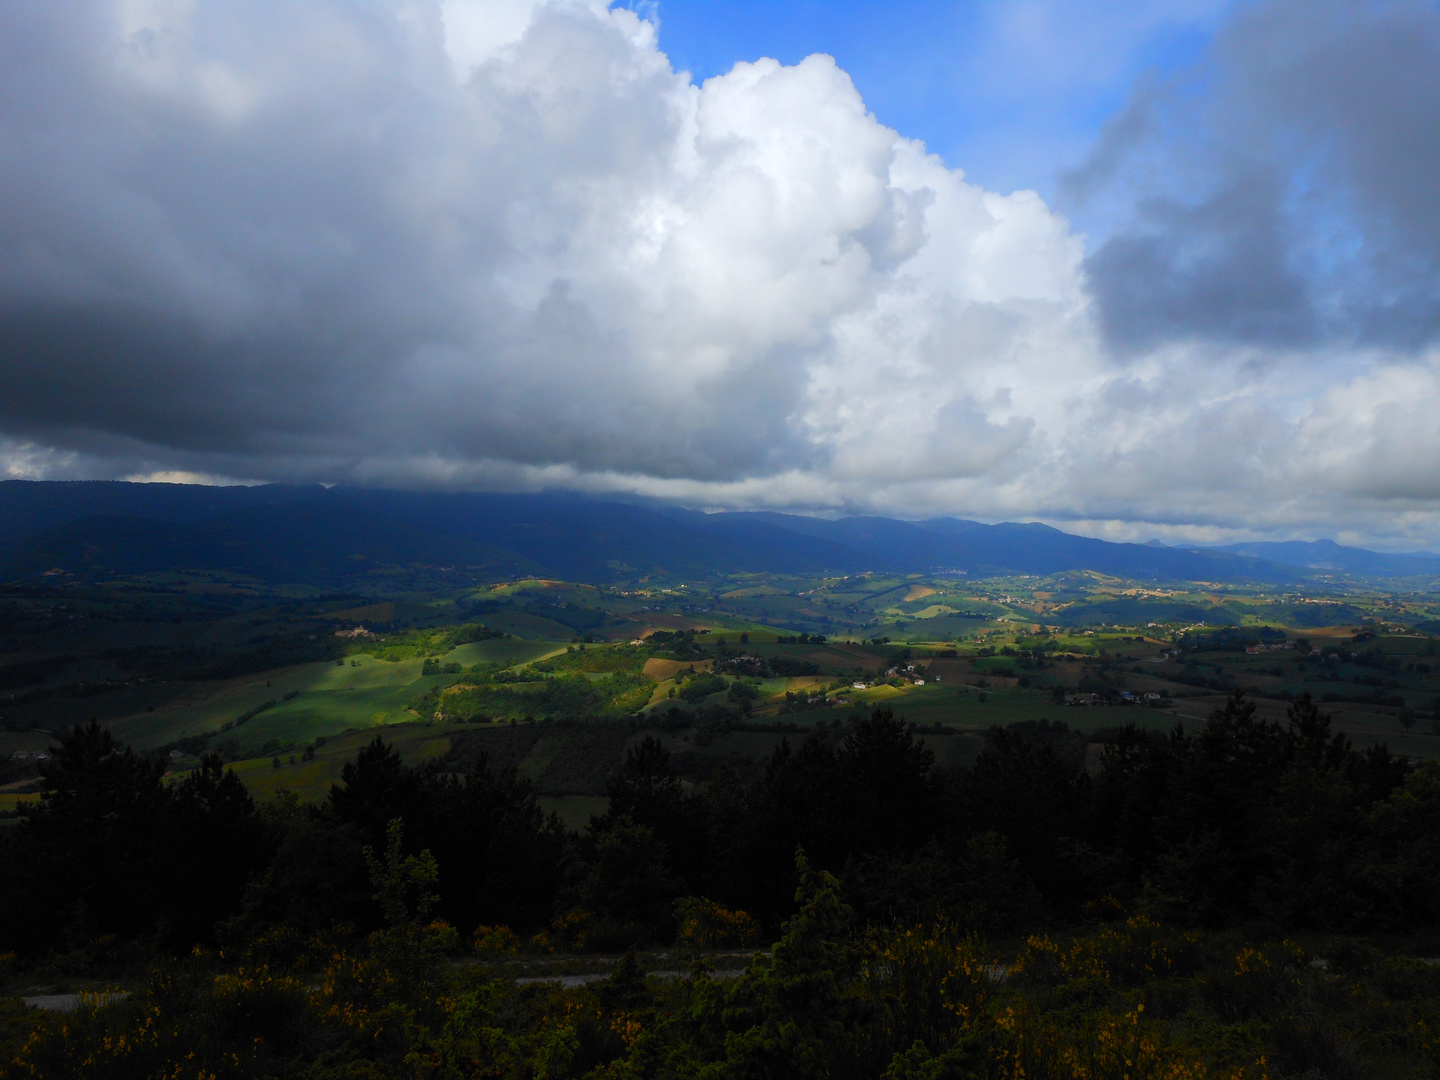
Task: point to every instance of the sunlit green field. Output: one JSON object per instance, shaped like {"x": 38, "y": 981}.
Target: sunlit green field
{"x": 508, "y": 651}
{"x": 9, "y": 800}
{"x": 1122, "y": 634}
{"x": 311, "y": 780}
{"x": 331, "y": 698}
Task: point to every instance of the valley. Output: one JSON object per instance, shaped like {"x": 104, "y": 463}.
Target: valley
{"x": 285, "y": 683}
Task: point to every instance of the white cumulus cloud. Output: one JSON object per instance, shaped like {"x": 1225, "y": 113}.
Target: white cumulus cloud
{"x": 503, "y": 243}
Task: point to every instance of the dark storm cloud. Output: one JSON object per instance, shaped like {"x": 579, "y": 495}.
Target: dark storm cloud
{"x": 449, "y": 240}
{"x": 265, "y": 239}
{"x": 1214, "y": 270}
{"x": 1284, "y": 192}
{"x": 480, "y": 243}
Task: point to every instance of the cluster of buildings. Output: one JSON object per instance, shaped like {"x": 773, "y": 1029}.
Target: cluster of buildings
{"x": 1154, "y": 700}
{"x": 908, "y": 673}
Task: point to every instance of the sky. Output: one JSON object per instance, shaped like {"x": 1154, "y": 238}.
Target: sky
{"x": 1013, "y": 93}
{"x": 1165, "y": 269}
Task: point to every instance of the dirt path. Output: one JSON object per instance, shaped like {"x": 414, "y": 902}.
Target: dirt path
{"x": 69, "y": 1002}
{"x": 569, "y": 982}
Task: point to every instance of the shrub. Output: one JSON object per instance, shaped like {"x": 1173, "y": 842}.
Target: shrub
{"x": 495, "y": 940}
{"x": 704, "y": 924}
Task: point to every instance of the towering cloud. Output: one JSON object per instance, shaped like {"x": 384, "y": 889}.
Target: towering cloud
{"x": 489, "y": 242}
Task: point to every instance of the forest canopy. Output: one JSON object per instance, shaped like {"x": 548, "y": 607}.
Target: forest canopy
{"x": 1188, "y": 881}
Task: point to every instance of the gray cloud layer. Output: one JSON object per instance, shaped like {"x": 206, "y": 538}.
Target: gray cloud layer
{"x": 1284, "y": 193}
{"x": 493, "y": 242}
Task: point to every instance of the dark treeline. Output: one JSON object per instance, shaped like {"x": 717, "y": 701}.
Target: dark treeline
{"x": 1244, "y": 822}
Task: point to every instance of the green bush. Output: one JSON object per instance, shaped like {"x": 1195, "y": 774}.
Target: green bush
{"x": 701, "y": 685}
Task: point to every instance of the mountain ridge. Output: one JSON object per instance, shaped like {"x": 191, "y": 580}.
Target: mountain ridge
{"x": 304, "y": 532}
{"x": 1329, "y": 555}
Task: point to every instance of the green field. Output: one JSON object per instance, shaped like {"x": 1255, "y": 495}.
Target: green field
{"x": 311, "y": 780}
{"x": 575, "y": 810}
{"x": 9, "y": 800}
{"x": 330, "y": 698}
{"x": 1004, "y": 651}
{"x": 503, "y": 652}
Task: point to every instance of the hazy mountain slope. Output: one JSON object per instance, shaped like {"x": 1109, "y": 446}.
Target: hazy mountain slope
{"x": 857, "y": 544}
{"x": 1328, "y": 555}
{"x": 311, "y": 533}
{"x": 312, "y": 541}
{"x": 583, "y": 539}
{"x": 1040, "y": 549}
{"x": 955, "y": 544}
{"x": 29, "y": 508}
